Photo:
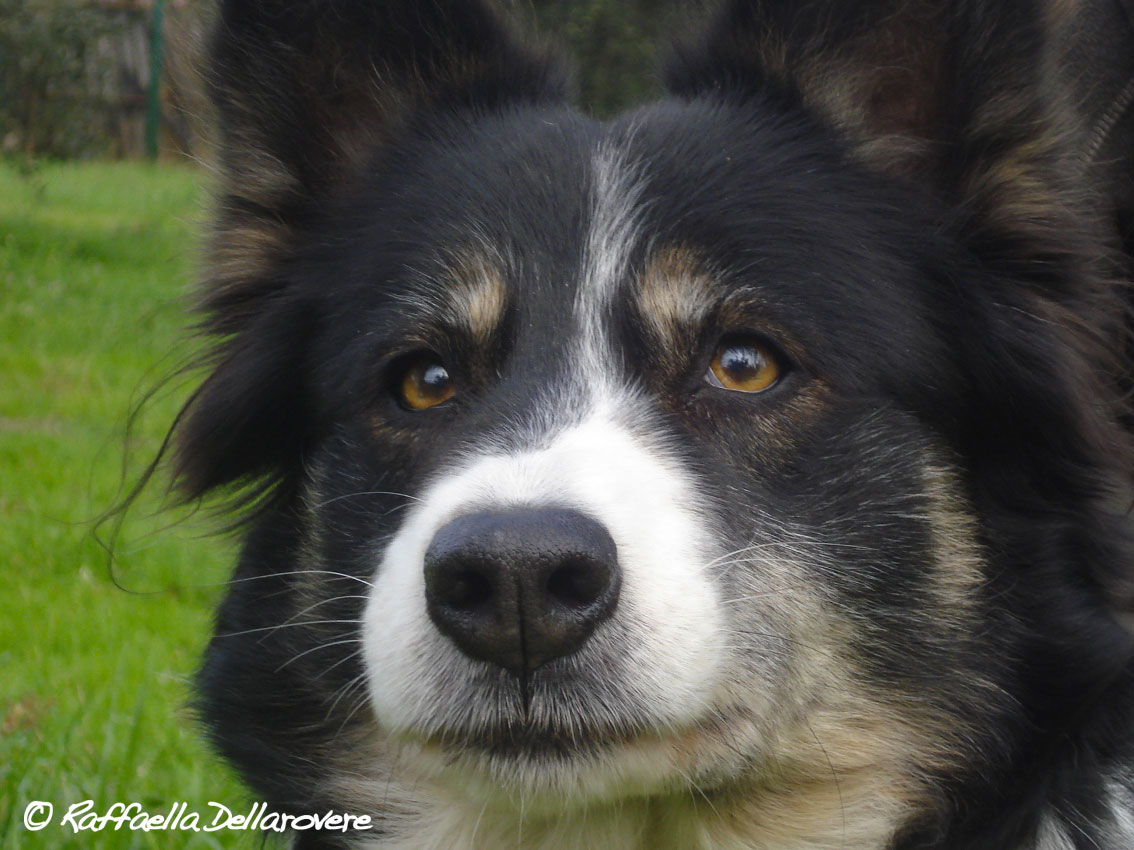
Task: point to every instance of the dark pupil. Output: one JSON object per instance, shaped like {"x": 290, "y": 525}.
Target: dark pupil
{"x": 740, "y": 360}
{"x": 435, "y": 377}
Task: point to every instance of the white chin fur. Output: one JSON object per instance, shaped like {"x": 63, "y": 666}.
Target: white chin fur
{"x": 662, "y": 661}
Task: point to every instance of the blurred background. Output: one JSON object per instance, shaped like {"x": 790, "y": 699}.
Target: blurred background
{"x": 121, "y": 78}
{"x": 105, "y": 151}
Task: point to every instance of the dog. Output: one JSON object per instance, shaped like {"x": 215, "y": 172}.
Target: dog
{"x": 752, "y": 470}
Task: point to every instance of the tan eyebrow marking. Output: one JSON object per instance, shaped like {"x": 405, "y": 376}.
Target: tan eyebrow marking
{"x": 477, "y": 295}
{"x": 675, "y": 291}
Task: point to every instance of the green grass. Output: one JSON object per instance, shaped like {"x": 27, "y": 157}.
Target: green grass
{"x": 95, "y": 261}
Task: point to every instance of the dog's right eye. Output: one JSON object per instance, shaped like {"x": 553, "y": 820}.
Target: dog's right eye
{"x": 424, "y": 382}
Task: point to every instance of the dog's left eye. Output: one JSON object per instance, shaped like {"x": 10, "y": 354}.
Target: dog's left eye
{"x": 425, "y": 383}
{"x": 743, "y": 364}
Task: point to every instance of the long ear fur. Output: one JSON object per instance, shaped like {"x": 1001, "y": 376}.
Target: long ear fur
{"x": 308, "y": 91}
{"x": 960, "y": 97}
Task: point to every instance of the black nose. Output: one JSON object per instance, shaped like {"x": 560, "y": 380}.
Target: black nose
{"x": 520, "y": 589}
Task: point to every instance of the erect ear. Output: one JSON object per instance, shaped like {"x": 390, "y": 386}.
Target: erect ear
{"x": 309, "y": 90}
{"x": 967, "y": 101}
{"x": 960, "y": 96}
{"x": 308, "y": 93}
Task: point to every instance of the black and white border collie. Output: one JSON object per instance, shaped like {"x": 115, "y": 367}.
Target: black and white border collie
{"x": 752, "y": 471}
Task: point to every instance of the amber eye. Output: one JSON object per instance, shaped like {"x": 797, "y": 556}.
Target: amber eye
{"x": 425, "y": 383}
{"x": 744, "y": 365}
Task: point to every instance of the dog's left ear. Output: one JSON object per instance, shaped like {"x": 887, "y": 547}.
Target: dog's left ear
{"x": 963, "y": 100}
{"x": 955, "y": 95}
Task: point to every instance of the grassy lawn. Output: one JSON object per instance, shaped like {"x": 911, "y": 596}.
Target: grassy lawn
{"x": 95, "y": 260}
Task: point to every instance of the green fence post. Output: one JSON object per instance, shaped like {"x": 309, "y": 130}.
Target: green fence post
{"x": 153, "y": 97}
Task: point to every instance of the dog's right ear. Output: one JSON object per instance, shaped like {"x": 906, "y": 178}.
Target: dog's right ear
{"x": 308, "y": 93}
{"x": 309, "y": 90}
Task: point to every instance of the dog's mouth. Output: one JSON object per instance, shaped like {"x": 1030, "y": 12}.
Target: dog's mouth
{"x": 577, "y": 721}
{"x": 545, "y": 763}
{"x": 522, "y": 743}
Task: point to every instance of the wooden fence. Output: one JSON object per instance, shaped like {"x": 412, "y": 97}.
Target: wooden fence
{"x": 104, "y": 92}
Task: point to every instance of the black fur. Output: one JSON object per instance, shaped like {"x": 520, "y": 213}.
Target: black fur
{"x": 894, "y": 194}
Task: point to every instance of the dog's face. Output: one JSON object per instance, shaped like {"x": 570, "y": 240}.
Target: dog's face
{"x": 674, "y": 406}
{"x": 693, "y": 454}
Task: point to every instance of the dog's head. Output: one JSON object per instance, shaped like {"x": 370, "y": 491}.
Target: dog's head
{"x": 762, "y": 443}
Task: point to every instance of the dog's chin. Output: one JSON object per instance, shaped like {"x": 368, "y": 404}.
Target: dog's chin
{"x": 531, "y": 742}
{"x": 536, "y": 767}
{"x": 524, "y": 760}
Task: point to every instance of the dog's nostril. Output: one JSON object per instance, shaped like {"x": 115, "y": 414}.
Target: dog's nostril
{"x": 578, "y": 584}
{"x": 469, "y": 590}
{"x": 520, "y": 589}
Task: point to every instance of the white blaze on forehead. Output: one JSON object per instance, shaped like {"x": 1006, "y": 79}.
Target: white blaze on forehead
{"x": 1052, "y": 835}
{"x": 1121, "y": 800}
{"x": 616, "y": 201}
{"x": 667, "y": 604}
